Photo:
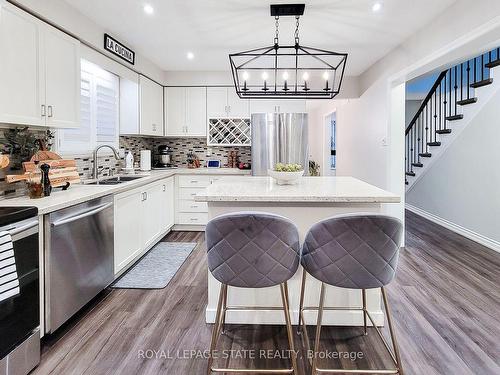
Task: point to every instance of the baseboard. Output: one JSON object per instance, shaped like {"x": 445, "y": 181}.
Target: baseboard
{"x": 275, "y": 317}
{"x": 479, "y": 238}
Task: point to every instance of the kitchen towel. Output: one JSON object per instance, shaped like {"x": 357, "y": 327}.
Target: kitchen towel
{"x": 9, "y": 282}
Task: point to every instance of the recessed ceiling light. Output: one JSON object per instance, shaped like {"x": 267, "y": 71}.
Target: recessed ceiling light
{"x": 190, "y": 55}
{"x": 376, "y": 7}
{"x": 148, "y": 9}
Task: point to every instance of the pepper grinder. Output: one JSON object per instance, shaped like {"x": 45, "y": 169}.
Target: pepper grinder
{"x": 47, "y": 187}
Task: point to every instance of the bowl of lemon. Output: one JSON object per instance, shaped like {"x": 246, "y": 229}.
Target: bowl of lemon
{"x": 286, "y": 174}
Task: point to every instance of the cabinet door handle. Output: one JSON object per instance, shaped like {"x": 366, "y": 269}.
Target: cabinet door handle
{"x": 154, "y": 127}
{"x": 43, "y": 110}
{"x": 164, "y": 187}
{"x": 49, "y": 108}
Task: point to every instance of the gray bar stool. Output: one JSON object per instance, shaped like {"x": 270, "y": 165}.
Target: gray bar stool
{"x": 354, "y": 252}
{"x": 252, "y": 250}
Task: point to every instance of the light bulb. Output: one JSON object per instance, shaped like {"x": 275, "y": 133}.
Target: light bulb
{"x": 326, "y": 76}
{"x": 245, "y": 76}
{"x": 285, "y": 75}
{"x": 376, "y": 7}
{"x": 148, "y": 9}
{"x": 305, "y": 76}
{"x": 265, "y": 76}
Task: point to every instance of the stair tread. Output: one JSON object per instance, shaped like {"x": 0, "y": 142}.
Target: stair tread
{"x": 493, "y": 63}
{"x": 425, "y": 154}
{"x": 434, "y": 143}
{"x": 443, "y": 131}
{"x": 410, "y": 174}
{"x": 467, "y": 101}
{"x": 484, "y": 82}
{"x": 454, "y": 117}
{"x": 420, "y": 165}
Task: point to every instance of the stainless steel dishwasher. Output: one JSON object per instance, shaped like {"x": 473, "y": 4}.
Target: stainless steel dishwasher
{"x": 79, "y": 250}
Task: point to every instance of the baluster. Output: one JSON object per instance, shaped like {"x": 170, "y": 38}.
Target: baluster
{"x": 468, "y": 79}
{"x": 433, "y": 133}
{"x": 455, "y": 101}
{"x": 482, "y": 67}
{"x": 440, "y": 101}
{"x": 450, "y": 92}
{"x": 462, "y": 81}
{"x": 444, "y": 102}
{"x": 475, "y": 69}
{"x": 427, "y": 127}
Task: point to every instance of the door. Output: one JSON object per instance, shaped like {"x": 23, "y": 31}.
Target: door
{"x": 175, "y": 111}
{"x": 151, "y": 107}
{"x": 21, "y": 79}
{"x": 62, "y": 78}
{"x": 237, "y": 108}
{"x": 151, "y": 214}
{"x": 196, "y": 111}
{"x": 128, "y": 227}
{"x": 216, "y": 102}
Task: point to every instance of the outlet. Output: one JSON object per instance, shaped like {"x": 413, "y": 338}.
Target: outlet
{"x": 209, "y": 151}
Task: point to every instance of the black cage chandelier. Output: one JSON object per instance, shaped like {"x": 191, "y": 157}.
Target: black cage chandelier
{"x": 295, "y": 72}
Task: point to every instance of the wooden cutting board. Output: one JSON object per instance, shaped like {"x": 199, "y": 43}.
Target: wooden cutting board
{"x": 30, "y": 166}
{"x": 53, "y": 173}
{"x": 4, "y": 161}
{"x": 44, "y": 154}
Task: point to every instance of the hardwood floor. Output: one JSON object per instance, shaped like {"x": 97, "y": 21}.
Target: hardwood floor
{"x": 445, "y": 301}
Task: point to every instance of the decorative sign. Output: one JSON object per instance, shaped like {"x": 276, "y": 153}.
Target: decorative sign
{"x": 115, "y": 47}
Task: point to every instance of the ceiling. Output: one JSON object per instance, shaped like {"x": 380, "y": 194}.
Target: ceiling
{"x": 211, "y": 29}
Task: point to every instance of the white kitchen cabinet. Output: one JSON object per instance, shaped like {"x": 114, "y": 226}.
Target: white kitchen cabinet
{"x": 223, "y": 102}
{"x": 128, "y": 228}
{"x": 39, "y": 72}
{"x": 142, "y": 216}
{"x": 150, "y": 107}
{"x": 129, "y": 106}
{"x": 62, "y": 78}
{"x": 278, "y": 106}
{"x": 186, "y": 111}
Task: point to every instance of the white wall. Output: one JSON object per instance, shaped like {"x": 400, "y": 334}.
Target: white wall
{"x": 462, "y": 186}
{"x": 72, "y": 21}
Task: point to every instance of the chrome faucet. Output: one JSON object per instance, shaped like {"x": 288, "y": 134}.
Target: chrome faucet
{"x": 95, "y": 173}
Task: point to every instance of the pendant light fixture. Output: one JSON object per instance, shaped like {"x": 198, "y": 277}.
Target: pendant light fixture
{"x": 287, "y": 71}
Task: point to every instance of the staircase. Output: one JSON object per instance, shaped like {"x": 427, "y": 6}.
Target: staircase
{"x": 445, "y": 109}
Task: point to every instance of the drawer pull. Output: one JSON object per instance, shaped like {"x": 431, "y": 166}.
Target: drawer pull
{"x": 193, "y": 194}
{"x": 193, "y": 219}
{"x": 194, "y": 206}
{"x": 194, "y": 181}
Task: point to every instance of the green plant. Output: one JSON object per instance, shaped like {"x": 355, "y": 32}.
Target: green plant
{"x": 280, "y": 167}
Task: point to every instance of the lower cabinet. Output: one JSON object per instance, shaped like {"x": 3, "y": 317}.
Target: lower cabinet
{"x": 142, "y": 216}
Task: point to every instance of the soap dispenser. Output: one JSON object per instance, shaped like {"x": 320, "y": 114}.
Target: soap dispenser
{"x": 129, "y": 161}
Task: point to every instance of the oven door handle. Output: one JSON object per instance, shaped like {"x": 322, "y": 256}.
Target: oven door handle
{"x": 82, "y": 215}
{"x": 15, "y": 231}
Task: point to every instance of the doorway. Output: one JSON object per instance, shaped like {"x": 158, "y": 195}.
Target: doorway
{"x": 330, "y": 145}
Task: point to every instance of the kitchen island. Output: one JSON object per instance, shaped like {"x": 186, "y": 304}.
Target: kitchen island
{"x": 309, "y": 201}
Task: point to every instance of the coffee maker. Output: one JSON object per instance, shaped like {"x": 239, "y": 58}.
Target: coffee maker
{"x": 164, "y": 157}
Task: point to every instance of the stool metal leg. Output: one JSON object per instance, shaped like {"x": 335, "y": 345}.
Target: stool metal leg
{"x": 224, "y": 311}
{"x": 216, "y": 327}
{"x": 391, "y": 330}
{"x": 289, "y": 329}
{"x": 318, "y": 329}
{"x": 364, "y": 310}
{"x": 302, "y": 292}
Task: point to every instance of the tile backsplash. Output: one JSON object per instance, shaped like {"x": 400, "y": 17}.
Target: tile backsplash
{"x": 108, "y": 165}
{"x": 182, "y": 146}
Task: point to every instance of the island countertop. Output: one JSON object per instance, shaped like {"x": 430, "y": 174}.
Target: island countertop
{"x": 309, "y": 189}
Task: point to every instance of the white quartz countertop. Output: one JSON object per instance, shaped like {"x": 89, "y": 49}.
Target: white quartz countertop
{"x": 309, "y": 189}
{"x": 80, "y": 193}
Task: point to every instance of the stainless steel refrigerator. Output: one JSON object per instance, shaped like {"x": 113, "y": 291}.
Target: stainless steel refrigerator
{"x": 279, "y": 138}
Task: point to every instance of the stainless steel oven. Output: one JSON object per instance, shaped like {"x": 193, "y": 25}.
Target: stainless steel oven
{"x": 20, "y": 304}
{"x": 78, "y": 257}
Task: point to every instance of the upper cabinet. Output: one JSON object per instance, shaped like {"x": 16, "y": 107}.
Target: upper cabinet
{"x": 186, "y": 111}
{"x": 39, "y": 72}
{"x": 150, "y": 107}
{"x": 223, "y": 102}
{"x": 278, "y": 106}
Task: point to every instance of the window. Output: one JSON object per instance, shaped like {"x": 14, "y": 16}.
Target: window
{"x": 333, "y": 146}
{"x": 99, "y": 106}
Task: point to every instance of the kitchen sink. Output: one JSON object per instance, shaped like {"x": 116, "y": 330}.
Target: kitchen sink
{"x": 115, "y": 180}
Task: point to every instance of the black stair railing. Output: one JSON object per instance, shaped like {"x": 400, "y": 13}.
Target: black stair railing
{"x": 452, "y": 89}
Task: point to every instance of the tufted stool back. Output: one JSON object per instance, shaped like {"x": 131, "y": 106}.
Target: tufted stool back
{"x": 353, "y": 251}
{"x": 252, "y": 249}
